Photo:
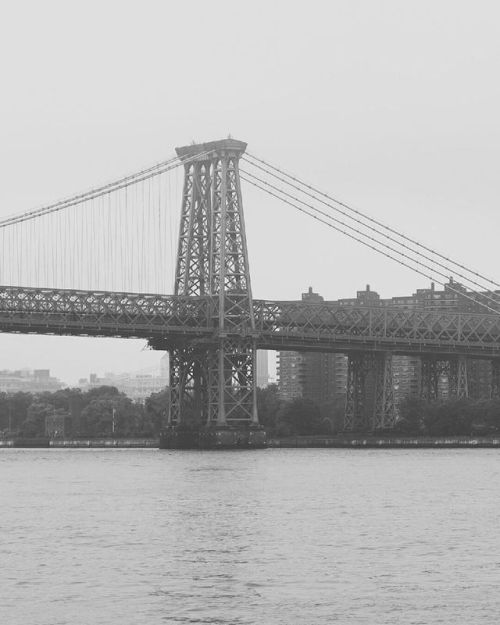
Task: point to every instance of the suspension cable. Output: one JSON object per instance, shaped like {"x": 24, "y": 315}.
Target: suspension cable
{"x": 371, "y": 228}
{"x": 372, "y": 220}
{"x": 359, "y": 232}
{"x": 122, "y": 183}
{"x": 356, "y": 238}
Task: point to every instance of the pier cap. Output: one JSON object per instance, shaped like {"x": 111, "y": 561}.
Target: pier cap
{"x": 211, "y": 149}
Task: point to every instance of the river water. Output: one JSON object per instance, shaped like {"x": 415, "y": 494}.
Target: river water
{"x": 277, "y": 536}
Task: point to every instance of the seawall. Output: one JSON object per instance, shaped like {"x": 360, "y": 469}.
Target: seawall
{"x": 339, "y": 442}
{"x": 379, "y": 442}
{"x": 125, "y": 443}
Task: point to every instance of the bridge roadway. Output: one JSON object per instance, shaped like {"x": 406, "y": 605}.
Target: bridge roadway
{"x": 291, "y": 325}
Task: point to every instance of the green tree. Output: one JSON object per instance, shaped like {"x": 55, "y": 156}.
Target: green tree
{"x": 332, "y": 414}
{"x": 107, "y": 411}
{"x": 453, "y": 417}
{"x": 268, "y": 406}
{"x": 412, "y": 413}
{"x": 4, "y": 412}
{"x": 34, "y": 424}
{"x": 157, "y": 407}
{"x": 18, "y": 404}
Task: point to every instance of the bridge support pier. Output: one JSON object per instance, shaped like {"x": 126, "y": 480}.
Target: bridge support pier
{"x": 187, "y": 386}
{"x": 355, "y": 418}
{"x": 384, "y": 415}
{"x": 430, "y": 374}
{"x": 454, "y": 371}
{"x": 370, "y": 392}
{"x": 213, "y": 397}
{"x": 458, "y": 382}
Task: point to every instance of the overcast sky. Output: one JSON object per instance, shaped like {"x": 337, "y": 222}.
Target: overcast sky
{"x": 392, "y": 106}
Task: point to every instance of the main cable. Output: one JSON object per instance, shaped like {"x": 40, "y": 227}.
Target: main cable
{"x": 117, "y": 185}
{"x": 366, "y": 244}
{"x": 372, "y": 220}
{"x": 359, "y": 232}
{"x": 371, "y": 228}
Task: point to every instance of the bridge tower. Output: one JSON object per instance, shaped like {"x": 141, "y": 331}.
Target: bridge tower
{"x": 213, "y": 383}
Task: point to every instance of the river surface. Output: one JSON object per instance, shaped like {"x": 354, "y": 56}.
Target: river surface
{"x": 277, "y": 536}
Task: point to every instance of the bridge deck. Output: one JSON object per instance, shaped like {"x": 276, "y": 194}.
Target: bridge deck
{"x": 288, "y": 325}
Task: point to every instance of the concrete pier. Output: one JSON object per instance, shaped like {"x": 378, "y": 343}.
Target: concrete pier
{"x": 213, "y": 438}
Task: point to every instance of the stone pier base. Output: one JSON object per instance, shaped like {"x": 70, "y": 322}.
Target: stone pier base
{"x": 213, "y": 438}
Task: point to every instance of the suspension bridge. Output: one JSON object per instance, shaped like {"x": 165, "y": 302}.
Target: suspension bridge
{"x": 95, "y": 264}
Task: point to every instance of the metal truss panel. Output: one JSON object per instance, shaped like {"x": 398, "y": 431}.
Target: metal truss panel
{"x": 384, "y": 414}
{"x": 64, "y": 311}
{"x": 355, "y": 414}
{"x": 232, "y": 384}
{"x": 458, "y": 378}
{"x": 188, "y": 386}
{"x": 431, "y": 371}
{"x": 403, "y": 331}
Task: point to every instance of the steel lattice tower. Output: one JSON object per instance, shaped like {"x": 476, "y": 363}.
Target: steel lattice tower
{"x": 213, "y": 383}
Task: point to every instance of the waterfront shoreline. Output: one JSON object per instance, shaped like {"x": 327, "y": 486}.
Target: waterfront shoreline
{"x": 387, "y": 442}
{"x": 100, "y": 443}
{"x": 334, "y": 442}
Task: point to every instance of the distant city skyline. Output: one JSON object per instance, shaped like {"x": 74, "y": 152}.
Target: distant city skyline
{"x": 70, "y": 366}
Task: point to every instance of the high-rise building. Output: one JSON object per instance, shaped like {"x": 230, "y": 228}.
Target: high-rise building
{"x": 290, "y": 372}
{"x": 317, "y": 376}
{"x": 406, "y": 372}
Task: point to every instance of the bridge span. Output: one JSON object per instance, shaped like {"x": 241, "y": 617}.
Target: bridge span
{"x": 279, "y": 325}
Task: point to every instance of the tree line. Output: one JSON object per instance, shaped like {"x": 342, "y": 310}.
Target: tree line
{"x": 106, "y": 412}
{"x": 99, "y": 412}
{"x": 451, "y": 417}
{"x": 298, "y": 417}
{"x": 416, "y": 417}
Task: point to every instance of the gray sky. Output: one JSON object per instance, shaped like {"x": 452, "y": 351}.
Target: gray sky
{"x": 391, "y": 106}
